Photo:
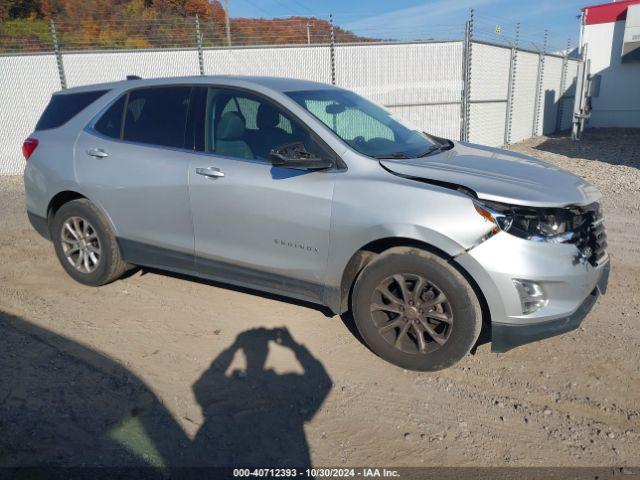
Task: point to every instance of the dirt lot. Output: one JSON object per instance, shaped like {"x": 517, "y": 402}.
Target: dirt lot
{"x": 148, "y": 370}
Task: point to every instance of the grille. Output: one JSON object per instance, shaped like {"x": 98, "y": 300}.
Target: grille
{"x": 592, "y": 235}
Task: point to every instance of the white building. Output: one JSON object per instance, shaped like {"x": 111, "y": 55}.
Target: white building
{"x": 611, "y": 36}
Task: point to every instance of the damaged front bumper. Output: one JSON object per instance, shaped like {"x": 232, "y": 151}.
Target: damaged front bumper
{"x": 506, "y": 336}
{"x": 570, "y": 284}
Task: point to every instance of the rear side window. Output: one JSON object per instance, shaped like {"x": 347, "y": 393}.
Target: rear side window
{"x": 157, "y": 116}
{"x": 64, "y": 107}
{"x": 110, "y": 124}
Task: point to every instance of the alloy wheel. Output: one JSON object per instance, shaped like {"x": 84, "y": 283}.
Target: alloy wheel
{"x": 411, "y": 313}
{"x": 80, "y": 244}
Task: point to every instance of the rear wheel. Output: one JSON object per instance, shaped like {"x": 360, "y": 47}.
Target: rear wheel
{"x": 85, "y": 244}
{"x": 415, "y": 310}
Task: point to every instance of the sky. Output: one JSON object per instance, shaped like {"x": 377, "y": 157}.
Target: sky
{"x": 438, "y": 19}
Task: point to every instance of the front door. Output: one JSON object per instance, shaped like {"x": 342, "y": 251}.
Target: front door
{"x": 257, "y": 225}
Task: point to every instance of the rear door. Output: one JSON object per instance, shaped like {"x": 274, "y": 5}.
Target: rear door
{"x": 133, "y": 162}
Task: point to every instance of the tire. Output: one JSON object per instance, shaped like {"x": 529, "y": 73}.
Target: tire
{"x": 440, "y": 326}
{"x": 80, "y": 218}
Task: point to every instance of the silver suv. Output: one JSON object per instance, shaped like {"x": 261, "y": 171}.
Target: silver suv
{"x": 310, "y": 191}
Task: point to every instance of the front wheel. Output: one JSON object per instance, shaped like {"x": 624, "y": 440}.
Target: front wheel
{"x": 415, "y": 310}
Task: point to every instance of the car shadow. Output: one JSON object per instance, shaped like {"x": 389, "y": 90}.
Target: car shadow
{"x": 66, "y": 405}
{"x": 227, "y": 286}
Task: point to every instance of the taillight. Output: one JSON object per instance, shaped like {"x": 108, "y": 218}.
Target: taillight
{"x": 29, "y": 145}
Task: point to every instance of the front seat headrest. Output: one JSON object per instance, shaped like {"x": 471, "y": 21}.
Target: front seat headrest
{"x": 230, "y": 127}
{"x": 268, "y": 116}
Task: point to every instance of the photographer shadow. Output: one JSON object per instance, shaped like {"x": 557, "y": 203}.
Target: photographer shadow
{"x": 255, "y": 416}
{"x": 65, "y": 405}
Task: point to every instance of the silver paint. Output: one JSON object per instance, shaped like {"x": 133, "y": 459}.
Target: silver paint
{"x": 232, "y": 227}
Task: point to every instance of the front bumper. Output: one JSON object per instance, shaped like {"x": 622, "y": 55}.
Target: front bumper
{"x": 571, "y": 286}
{"x": 505, "y": 336}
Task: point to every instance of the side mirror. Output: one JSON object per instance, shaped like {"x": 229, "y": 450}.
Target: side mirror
{"x": 294, "y": 155}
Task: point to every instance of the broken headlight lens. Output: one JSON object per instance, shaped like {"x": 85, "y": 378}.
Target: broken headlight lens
{"x": 557, "y": 225}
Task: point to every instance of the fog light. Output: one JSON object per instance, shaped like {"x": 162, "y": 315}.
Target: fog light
{"x": 532, "y": 296}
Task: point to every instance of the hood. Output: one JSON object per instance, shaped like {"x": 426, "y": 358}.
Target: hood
{"x": 500, "y": 176}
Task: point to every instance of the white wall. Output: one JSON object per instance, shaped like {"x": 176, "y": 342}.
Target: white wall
{"x": 308, "y": 63}
{"x": 618, "y": 104}
{"x": 550, "y": 95}
{"x": 88, "y": 68}
{"x": 420, "y": 82}
{"x": 524, "y": 102}
{"x": 26, "y": 85}
{"x": 489, "y": 89}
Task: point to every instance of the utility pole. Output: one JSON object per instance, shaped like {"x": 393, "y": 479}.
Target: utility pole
{"x": 226, "y": 19}
{"x": 308, "y": 35}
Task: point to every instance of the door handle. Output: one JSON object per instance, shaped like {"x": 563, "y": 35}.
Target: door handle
{"x": 212, "y": 172}
{"x": 97, "y": 152}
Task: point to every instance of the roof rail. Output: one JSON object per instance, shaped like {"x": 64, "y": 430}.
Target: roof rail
{"x": 133, "y": 77}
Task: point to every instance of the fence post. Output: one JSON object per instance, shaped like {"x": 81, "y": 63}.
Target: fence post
{"x": 199, "y": 44}
{"x": 563, "y": 83}
{"x": 227, "y": 24}
{"x": 465, "y": 103}
{"x": 512, "y": 86}
{"x": 539, "y": 82}
{"x": 58, "y": 54}
{"x": 332, "y": 52}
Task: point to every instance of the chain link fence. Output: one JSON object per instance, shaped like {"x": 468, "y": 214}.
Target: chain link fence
{"x": 467, "y": 85}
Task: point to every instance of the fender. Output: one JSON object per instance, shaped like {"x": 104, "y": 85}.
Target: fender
{"x": 74, "y": 188}
{"x": 340, "y": 264}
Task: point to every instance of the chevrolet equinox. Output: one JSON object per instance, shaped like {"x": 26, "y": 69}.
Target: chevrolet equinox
{"x": 310, "y": 191}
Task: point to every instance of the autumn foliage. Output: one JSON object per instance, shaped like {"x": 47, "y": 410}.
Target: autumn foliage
{"x": 105, "y": 24}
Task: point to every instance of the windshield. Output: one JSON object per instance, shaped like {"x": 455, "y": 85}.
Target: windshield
{"x": 366, "y": 127}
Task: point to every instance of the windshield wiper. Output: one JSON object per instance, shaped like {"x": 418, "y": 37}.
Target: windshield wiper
{"x": 430, "y": 150}
{"x": 393, "y": 155}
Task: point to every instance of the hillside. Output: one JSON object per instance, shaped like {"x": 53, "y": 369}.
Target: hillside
{"x": 102, "y": 24}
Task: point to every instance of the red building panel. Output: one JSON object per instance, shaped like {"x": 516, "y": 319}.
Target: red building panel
{"x": 607, "y": 12}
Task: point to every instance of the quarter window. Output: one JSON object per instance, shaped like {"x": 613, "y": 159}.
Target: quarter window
{"x": 157, "y": 116}
{"x": 64, "y": 106}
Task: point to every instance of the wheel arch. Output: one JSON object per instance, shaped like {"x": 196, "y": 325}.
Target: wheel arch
{"x": 371, "y": 250}
{"x": 65, "y": 196}
{"x": 58, "y": 200}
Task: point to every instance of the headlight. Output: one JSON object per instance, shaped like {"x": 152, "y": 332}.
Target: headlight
{"x": 557, "y": 225}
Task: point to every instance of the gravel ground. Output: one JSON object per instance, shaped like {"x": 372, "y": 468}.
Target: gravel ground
{"x": 610, "y": 159}
{"x": 148, "y": 370}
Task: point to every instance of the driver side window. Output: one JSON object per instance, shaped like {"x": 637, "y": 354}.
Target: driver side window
{"x": 241, "y": 125}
